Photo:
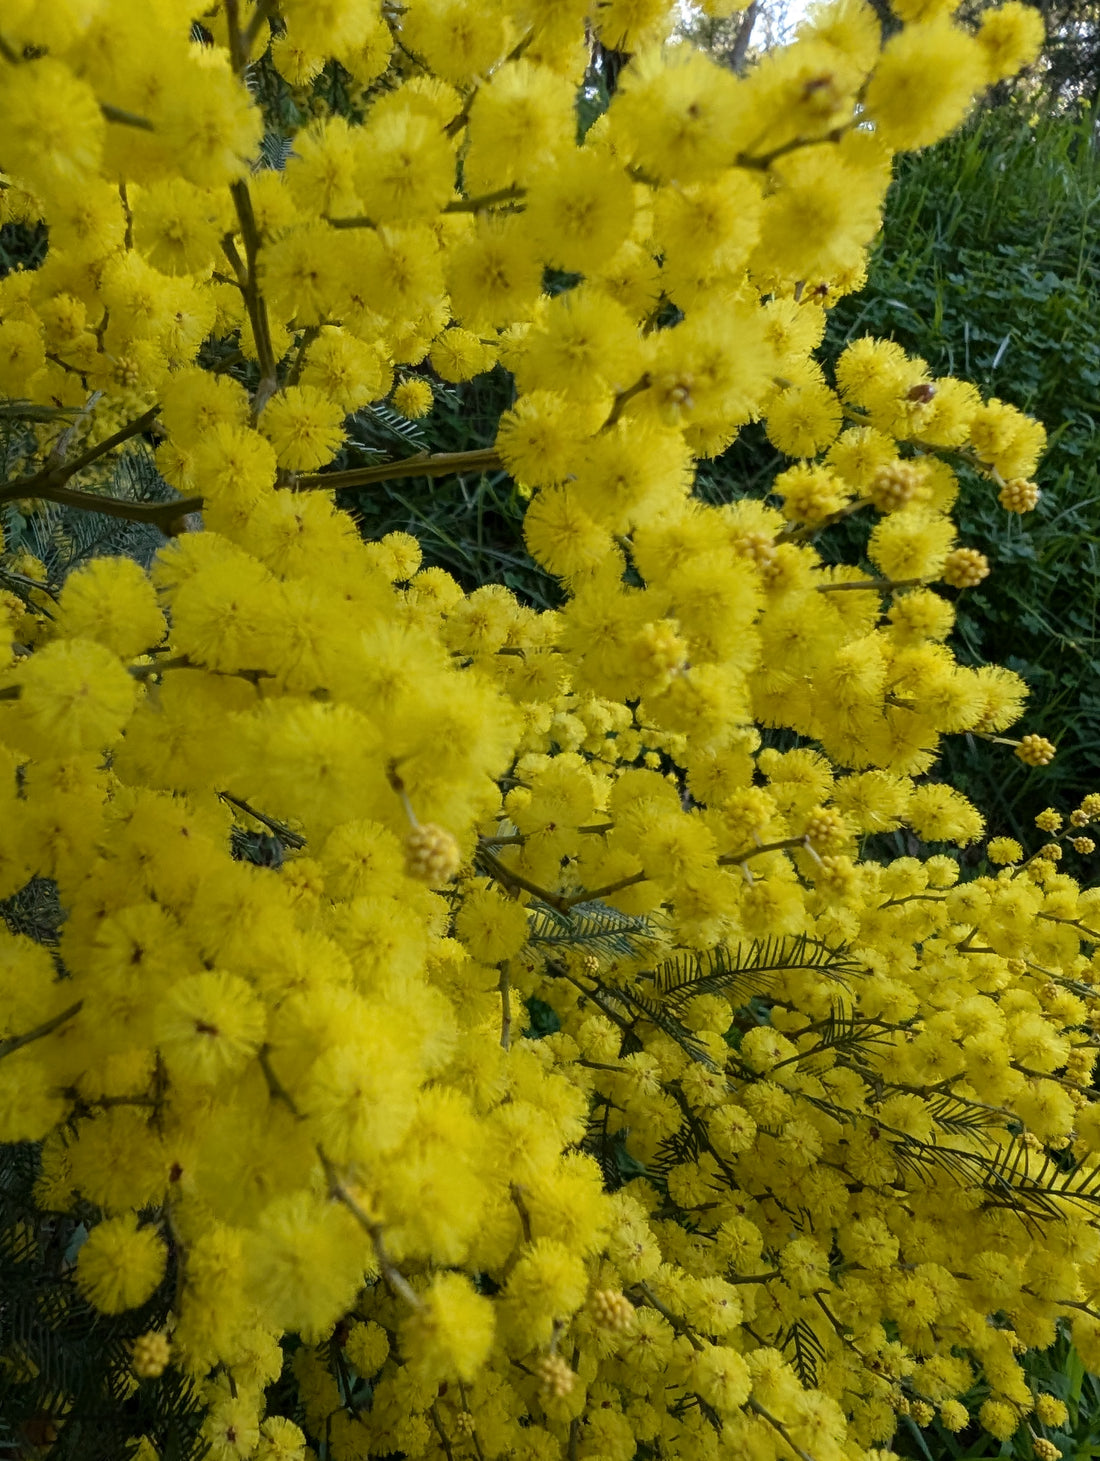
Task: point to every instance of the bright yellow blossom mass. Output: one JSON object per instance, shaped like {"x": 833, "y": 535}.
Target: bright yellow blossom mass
{"x": 811, "y": 1143}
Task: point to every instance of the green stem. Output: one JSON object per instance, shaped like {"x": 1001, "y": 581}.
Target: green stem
{"x": 501, "y": 874}
{"x": 16, "y": 1042}
{"x": 253, "y": 298}
{"x": 729, "y": 858}
{"x": 590, "y": 895}
{"x": 884, "y": 585}
{"x": 124, "y": 118}
{"x": 425, "y": 464}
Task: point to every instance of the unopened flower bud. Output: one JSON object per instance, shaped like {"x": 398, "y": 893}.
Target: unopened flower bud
{"x": 895, "y": 485}
{"x": 555, "y": 1377}
{"x": 151, "y": 1353}
{"x": 825, "y": 830}
{"x": 661, "y": 649}
{"x": 1035, "y": 751}
{"x": 758, "y": 548}
{"x": 431, "y": 854}
{"x": 612, "y": 1310}
{"x": 965, "y": 567}
{"x": 1019, "y": 495}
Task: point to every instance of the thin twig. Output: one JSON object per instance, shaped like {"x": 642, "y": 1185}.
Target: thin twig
{"x": 590, "y": 895}
{"x": 60, "y": 472}
{"x": 884, "y": 585}
{"x": 161, "y": 515}
{"x": 799, "y": 534}
{"x": 473, "y": 1433}
{"x": 253, "y": 298}
{"x": 16, "y": 1042}
{"x": 309, "y": 334}
{"x": 275, "y": 1087}
{"x": 681, "y": 1326}
{"x": 437, "y": 1421}
{"x": 779, "y": 1428}
{"x": 280, "y": 830}
{"x": 505, "y": 988}
{"x": 516, "y": 1194}
{"x": 640, "y": 385}
{"x": 501, "y": 874}
{"x": 265, "y": 9}
{"x": 125, "y": 118}
{"x": 425, "y": 464}
{"x": 729, "y": 858}
{"x": 396, "y": 1281}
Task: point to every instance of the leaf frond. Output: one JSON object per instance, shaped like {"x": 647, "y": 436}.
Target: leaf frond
{"x": 591, "y": 925}
{"x": 746, "y": 967}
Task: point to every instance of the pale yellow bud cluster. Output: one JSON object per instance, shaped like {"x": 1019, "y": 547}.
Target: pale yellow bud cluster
{"x": 556, "y": 1378}
{"x": 431, "y": 854}
{"x": 965, "y": 568}
{"x": 612, "y": 1310}
{"x": 758, "y": 548}
{"x": 895, "y": 485}
{"x": 1035, "y": 751}
{"x": 661, "y": 649}
{"x": 1019, "y": 495}
{"x": 150, "y": 1355}
{"x": 825, "y": 830}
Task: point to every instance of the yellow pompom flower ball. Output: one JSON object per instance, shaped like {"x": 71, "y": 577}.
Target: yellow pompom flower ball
{"x": 449, "y": 1335}
{"x": 491, "y": 927}
{"x": 75, "y": 697}
{"x": 120, "y": 1265}
{"x": 413, "y": 398}
{"x": 112, "y": 602}
{"x": 304, "y": 426}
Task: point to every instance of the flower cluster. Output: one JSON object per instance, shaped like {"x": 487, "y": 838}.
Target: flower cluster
{"x": 812, "y": 1144}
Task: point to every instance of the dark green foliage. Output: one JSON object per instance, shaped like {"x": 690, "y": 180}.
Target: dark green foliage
{"x": 66, "y": 1368}
{"x": 22, "y": 246}
{"x": 63, "y": 538}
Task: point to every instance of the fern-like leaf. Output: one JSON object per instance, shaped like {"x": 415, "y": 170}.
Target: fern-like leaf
{"x": 842, "y": 1031}
{"x": 640, "y": 1006}
{"x": 957, "y": 1115}
{"x": 807, "y": 1351}
{"x": 595, "y": 926}
{"x": 275, "y": 149}
{"x": 747, "y": 967}
{"x": 380, "y": 425}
